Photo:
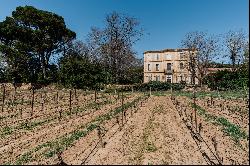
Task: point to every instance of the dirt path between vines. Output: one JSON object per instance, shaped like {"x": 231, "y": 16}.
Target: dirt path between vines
{"x": 154, "y": 134}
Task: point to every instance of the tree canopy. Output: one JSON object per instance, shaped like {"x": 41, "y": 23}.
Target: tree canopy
{"x": 29, "y": 38}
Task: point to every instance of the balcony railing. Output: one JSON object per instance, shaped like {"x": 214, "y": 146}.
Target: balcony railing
{"x": 168, "y": 72}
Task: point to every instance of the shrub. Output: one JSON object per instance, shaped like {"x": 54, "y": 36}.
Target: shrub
{"x": 227, "y": 80}
{"x": 159, "y": 86}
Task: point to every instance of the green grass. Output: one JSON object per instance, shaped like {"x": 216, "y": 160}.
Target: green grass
{"x": 202, "y": 112}
{"x": 6, "y": 131}
{"x": 27, "y": 157}
{"x": 151, "y": 147}
{"x": 24, "y": 125}
{"x": 32, "y": 125}
{"x": 9, "y": 116}
{"x": 229, "y": 128}
{"x": 159, "y": 93}
{"x": 222, "y": 94}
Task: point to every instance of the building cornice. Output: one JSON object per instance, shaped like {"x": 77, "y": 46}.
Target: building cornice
{"x": 168, "y": 50}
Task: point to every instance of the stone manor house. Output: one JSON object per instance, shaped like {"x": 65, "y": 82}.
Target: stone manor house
{"x": 168, "y": 65}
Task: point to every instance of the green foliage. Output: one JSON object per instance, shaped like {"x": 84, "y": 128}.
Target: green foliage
{"x": 79, "y": 72}
{"x": 6, "y": 131}
{"x": 24, "y": 158}
{"x": 28, "y": 39}
{"x": 112, "y": 45}
{"x": 219, "y": 65}
{"x": 227, "y": 80}
{"x": 231, "y": 129}
{"x": 133, "y": 75}
{"x": 151, "y": 147}
{"x": 159, "y": 86}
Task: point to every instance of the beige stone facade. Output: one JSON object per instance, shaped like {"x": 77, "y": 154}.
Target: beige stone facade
{"x": 169, "y": 65}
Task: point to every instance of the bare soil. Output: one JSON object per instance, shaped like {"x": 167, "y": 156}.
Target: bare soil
{"x": 154, "y": 131}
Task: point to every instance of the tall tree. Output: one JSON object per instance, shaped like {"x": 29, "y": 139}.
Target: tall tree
{"x": 78, "y": 70}
{"x": 202, "y": 50}
{"x": 113, "y": 45}
{"x": 235, "y": 42}
{"x": 34, "y": 35}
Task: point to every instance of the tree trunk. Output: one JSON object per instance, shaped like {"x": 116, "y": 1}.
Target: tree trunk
{"x": 43, "y": 63}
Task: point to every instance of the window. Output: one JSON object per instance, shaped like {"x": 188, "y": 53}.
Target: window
{"x": 157, "y": 67}
{"x": 149, "y": 58}
{"x": 157, "y": 56}
{"x": 148, "y": 67}
{"x": 169, "y": 79}
{"x": 181, "y": 55}
{"x": 157, "y": 78}
{"x": 168, "y": 56}
{"x": 168, "y": 66}
{"x": 181, "y": 66}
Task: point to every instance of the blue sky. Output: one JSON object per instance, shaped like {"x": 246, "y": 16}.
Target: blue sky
{"x": 165, "y": 21}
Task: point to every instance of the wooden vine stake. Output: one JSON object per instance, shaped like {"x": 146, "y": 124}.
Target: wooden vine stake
{"x": 60, "y": 114}
{"x": 215, "y": 144}
{"x": 32, "y": 101}
{"x": 150, "y": 92}
{"x": 22, "y": 101}
{"x": 122, "y": 108}
{"x": 99, "y": 133}
{"x": 200, "y": 128}
{"x": 218, "y": 93}
{"x": 14, "y": 96}
{"x": 21, "y": 112}
{"x": 195, "y": 110}
{"x": 117, "y": 120}
{"x": 118, "y": 93}
{"x": 57, "y": 98}
{"x": 70, "y": 95}
{"x": 95, "y": 95}
{"x": 76, "y": 98}
{"x": 171, "y": 93}
{"x": 42, "y": 102}
{"x": 212, "y": 101}
{"x": 3, "y": 96}
{"x": 75, "y": 95}
{"x": 61, "y": 162}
